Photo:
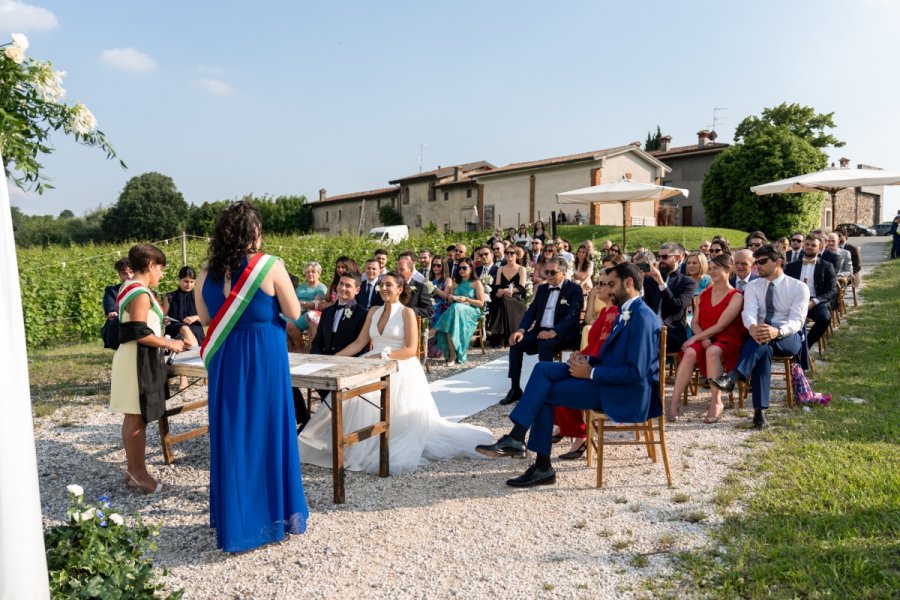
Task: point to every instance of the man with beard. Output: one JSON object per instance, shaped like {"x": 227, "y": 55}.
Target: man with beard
{"x": 668, "y": 292}
{"x": 623, "y": 382}
{"x": 819, "y": 277}
{"x": 774, "y": 312}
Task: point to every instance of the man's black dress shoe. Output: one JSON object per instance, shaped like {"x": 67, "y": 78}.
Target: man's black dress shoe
{"x": 725, "y": 383}
{"x": 759, "y": 419}
{"x": 512, "y": 396}
{"x": 575, "y": 454}
{"x": 534, "y": 476}
{"x": 505, "y": 446}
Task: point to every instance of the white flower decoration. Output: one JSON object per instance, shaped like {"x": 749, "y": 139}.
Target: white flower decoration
{"x": 348, "y": 312}
{"x": 88, "y": 514}
{"x": 117, "y": 519}
{"x": 626, "y": 316}
{"x": 564, "y": 302}
{"x": 15, "y": 54}
{"x": 19, "y": 40}
{"x": 75, "y": 489}
{"x": 48, "y": 83}
{"x": 81, "y": 120}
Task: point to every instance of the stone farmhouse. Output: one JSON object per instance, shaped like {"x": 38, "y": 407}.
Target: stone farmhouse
{"x": 479, "y": 195}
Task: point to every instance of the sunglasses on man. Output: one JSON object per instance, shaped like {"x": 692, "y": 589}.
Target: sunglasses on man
{"x": 754, "y": 245}
{"x": 762, "y": 261}
{"x": 797, "y": 241}
{"x": 716, "y": 251}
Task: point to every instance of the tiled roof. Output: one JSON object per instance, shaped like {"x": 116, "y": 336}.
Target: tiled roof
{"x": 561, "y": 160}
{"x": 389, "y": 191}
{"x": 679, "y": 150}
{"x": 447, "y": 171}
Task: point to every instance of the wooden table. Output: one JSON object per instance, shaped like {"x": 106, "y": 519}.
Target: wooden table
{"x": 346, "y": 378}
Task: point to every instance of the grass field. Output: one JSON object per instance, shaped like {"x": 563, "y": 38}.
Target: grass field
{"x": 823, "y": 520}
{"x": 649, "y": 237}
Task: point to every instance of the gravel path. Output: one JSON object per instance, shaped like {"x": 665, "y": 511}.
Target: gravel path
{"x": 450, "y": 529}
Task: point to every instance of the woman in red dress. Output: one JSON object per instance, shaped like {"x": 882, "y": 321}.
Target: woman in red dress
{"x": 718, "y": 335}
{"x": 570, "y": 420}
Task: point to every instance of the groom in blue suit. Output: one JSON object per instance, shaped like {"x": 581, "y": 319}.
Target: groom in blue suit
{"x": 623, "y": 382}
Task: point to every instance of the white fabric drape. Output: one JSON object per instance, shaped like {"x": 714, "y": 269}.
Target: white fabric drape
{"x": 23, "y": 564}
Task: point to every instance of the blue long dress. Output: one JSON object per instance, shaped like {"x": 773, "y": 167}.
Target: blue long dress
{"x": 255, "y": 487}
{"x": 459, "y": 320}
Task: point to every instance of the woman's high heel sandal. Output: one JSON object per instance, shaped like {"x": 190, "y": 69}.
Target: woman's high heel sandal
{"x": 575, "y": 454}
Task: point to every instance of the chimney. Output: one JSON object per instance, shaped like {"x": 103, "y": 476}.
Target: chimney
{"x": 322, "y": 193}
{"x": 628, "y": 175}
{"x": 665, "y": 143}
{"x": 703, "y": 138}
{"x": 845, "y": 163}
{"x": 457, "y": 173}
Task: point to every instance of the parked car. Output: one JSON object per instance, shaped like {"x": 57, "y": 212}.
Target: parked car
{"x": 883, "y": 228}
{"x": 852, "y": 229}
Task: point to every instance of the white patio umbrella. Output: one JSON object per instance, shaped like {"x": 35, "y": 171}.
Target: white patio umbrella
{"x": 620, "y": 192}
{"x": 829, "y": 180}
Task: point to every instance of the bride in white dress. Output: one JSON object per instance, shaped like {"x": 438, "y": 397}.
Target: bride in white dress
{"x": 418, "y": 432}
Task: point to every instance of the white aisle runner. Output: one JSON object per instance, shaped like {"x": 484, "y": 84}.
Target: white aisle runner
{"x": 474, "y": 390}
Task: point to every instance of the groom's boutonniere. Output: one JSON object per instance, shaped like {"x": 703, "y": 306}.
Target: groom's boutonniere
{"x": 625, "y": 316}
{"x": 348, "y": 312}
{"x": 564, "y": 302}
{"x": 412, "y": 288}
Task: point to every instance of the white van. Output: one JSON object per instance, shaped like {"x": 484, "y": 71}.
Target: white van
{"x": 390, "y": 234}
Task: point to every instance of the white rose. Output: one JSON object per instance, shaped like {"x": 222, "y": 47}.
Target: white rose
{"x": 117, "y": 519}
{"x": 81, "y": 120}
{"x": 48, "y": 84}
{"x": 75, "y": 489}
{"x": 15, "y": 54}
{"x": 20, "y": 41}
{"x": 88, "y": 514}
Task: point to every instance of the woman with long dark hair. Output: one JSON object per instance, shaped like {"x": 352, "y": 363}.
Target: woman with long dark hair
{"x": 255, "y": 487}
{"x": 458, "y": 323}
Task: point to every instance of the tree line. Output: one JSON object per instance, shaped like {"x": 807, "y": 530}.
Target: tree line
{"x": 150, "y": 207}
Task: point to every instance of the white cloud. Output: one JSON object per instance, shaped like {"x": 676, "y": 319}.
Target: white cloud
{"x": 18, "y": 16}
{"x": 216, "y": 86}
{"x": 128, "y": 59}
{"x": 210, "y": 71}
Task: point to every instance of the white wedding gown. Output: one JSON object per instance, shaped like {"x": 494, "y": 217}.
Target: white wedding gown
{"x": 417, "y": 432}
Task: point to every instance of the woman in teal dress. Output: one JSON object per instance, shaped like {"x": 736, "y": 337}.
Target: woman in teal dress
{"x": 311, "y": 295}
{"x": 458, "y": 323}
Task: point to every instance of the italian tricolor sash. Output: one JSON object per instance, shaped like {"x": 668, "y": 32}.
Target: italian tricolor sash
{"x": 235, "y": 305}
{"x": 134, "y": 289}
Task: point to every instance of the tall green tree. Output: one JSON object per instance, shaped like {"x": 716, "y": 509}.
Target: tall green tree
{"x": 768, "y": 153}
{"x": 802, "y": 121}
{"x": 389, "y": 215}
{"x": 149, "y": 208}
{"x": 654, "y": 141}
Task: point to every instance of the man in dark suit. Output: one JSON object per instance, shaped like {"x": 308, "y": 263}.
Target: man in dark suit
{"x": 669, "y": 293}
{"x": 622, "y": 381}
{"x": 819, "y": 277}
{"x": 419, "y": 297}
{"x": 743, "y": 270}
{"x": 796, "y": 250}
{"x": 549, "y": 325}
{"x": 339, "y": 325}
{"x": 110, "y": 330}
{"x": 855, "y": 258}
{"x": 368, "y": 295}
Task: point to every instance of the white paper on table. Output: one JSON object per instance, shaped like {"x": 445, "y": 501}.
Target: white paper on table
{"x": 192, "y": 361}
{"x": 307, "y": 368}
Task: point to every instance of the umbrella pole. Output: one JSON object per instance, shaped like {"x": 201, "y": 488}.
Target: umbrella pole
{"x": 624, "y": 247}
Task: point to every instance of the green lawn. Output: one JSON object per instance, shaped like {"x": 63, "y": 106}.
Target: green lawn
{"x": 71, "y": 374}
{"x": 823, "y": 520}
{"x": 650, "y": 237}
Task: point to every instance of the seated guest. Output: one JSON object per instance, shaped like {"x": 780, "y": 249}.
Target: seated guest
{"x": 496, "y": 238}
{"x": 484, "y": 261}
{"x": 697, "y": 268}
{"x": 537, "y": 254}
{"x": 462, "y": 251}
{"x": 795, "y": 252}
{"x": 381, "y": 256}
{"x": 439, "y": 296}
{"x": 340, "y": 325}
{"x": 180, "y": 309}
{"x": 583, "y": 268}
{"x": 718, "y": 336}
{"x": 669, "y": 293}
{"x": 419, "y": 298}
{"x": 824, "y": 253}
{"x": 416, "y": 276}
{"x": 719, "y": 246}
{"x": 343, "y": 264}
{"x": 755, "y": 239}
{"x": 522, "y": 237}
{"x": 844, "y": 269}
{"x": 743, "y": 270}
{"x": 571, "y": 420}
{"x": 368, "y": 295}
{"x": 623, "y": 382}
{"x": 549, "y": 325}
{"x": 311, "y": 294}
{"x": 597, "y": 300}
{"x": 425, "y": 257}
{"x": 110, "y": 330}
{"x": 818, "y": 276}
{"x": 855, "y": 259}
{"x": 507, "y": 299}
{"x": 498, "y": 250}
{"x": 704, "y": 248}
{"x": 774, "y": 312}
{"x": 564, "y": 250}
{"x": 450, "y": 261}
{"x": 455, "y": 327}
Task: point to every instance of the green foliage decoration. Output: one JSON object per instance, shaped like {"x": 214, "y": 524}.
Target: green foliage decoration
{"x": 389, "y": 215}
{"x": 95, "y": 554}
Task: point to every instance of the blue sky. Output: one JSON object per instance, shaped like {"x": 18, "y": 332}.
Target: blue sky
{"x": 230, "y": 98}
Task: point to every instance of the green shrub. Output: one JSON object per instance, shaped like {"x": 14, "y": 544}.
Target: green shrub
{"x": 96, "y": 555}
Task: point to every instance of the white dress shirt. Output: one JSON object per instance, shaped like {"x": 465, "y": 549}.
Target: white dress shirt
{"x": 791, "y": 299}
{"x": 550, "y": 310}
{"x": 807, "y": 276}
{"x": 741, "y": 284}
